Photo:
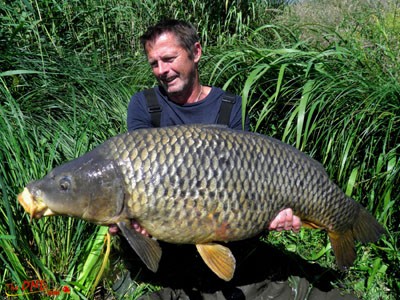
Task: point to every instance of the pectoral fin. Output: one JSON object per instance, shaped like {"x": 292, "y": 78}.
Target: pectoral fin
{"x": 146, "y": 248}
{"x": 219, "y": 259}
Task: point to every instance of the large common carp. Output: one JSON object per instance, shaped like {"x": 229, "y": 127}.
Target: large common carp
{"x": 202, "y": 185}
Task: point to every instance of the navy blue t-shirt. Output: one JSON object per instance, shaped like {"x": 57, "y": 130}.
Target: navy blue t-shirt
{"x": 205, "y": 111}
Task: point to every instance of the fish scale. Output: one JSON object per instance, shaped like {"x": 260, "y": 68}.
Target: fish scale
{"x": 180, "y": 146}
{"x": 200, "y": 184}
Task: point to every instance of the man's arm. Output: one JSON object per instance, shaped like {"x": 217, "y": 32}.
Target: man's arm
{"x": 236, "y": 116}
{"x": 138, "y": 115}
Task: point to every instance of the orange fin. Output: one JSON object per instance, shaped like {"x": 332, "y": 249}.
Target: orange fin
{"x": 343, "y": 247}
{"x": 219, "y": 259}
{"x": 309, "y": 224}
{"x": 364, "y": 229}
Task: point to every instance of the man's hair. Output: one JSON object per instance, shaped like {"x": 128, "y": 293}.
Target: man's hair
{"x": 185, "y": 32}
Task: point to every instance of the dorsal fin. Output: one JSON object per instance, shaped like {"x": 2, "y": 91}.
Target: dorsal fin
{"x": 219, "y": 259}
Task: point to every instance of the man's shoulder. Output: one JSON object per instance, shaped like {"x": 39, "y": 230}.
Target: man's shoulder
{"x": 140, "y": 93}
{"x": 141, "y": 97}
{"x": 219, "y": 93}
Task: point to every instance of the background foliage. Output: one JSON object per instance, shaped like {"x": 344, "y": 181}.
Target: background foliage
{"x": 321, "y": 75}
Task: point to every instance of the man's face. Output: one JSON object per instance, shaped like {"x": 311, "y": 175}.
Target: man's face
{"x": 172, "y": 65}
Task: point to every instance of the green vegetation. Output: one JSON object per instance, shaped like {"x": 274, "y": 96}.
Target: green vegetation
{"x": 323, "y": 77}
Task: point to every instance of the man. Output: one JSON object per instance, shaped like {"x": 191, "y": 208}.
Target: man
{"x": 173, "y": 51}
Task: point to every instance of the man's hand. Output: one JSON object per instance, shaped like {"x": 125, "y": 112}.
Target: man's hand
{"x": 136, "y": 226}
{"x": 113, "y": 229}
{"x": 285, "y": 220}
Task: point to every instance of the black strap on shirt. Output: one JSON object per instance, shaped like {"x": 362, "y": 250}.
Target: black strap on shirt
{"x": 153, "y": 106}
{"x": 228, "y": 100}
{"x": 155, "y": 109}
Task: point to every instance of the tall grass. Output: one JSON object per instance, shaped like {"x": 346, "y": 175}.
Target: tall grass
{"x": 341, "y": 105}
{"x": 38, "y": 132}
{"x": 68, "y": 69}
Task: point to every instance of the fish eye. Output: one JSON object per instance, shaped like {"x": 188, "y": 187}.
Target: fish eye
{"x": 65, "y": 183}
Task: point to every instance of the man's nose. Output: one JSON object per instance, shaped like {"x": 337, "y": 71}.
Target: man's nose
{"x": 163, "y": 68}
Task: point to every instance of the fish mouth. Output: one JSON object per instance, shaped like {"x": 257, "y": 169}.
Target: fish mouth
{"x": 34, "y": 206}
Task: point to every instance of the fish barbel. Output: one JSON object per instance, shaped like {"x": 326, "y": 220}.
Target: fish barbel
{"x": 202, "y": 185}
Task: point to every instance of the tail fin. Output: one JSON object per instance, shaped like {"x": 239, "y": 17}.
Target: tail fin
{"x": 365, "y": 229}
